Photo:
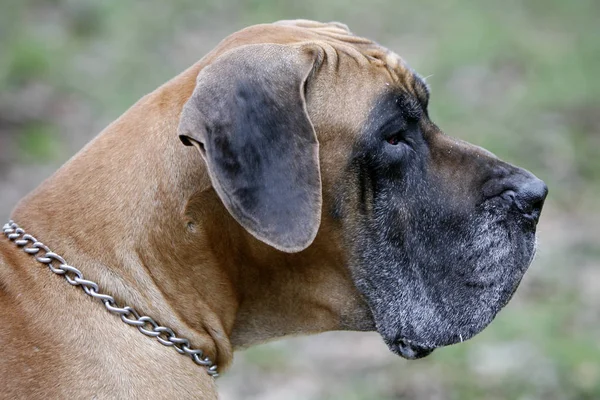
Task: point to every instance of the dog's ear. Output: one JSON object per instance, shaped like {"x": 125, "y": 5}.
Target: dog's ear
{"x": 248, "y": 117}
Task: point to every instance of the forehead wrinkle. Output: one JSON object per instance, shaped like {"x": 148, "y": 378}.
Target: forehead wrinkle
{"x": 348, "y": 49}
{"x": 332, "y": 52}
{"x": 399, "y": 71}
{"x": 364, "y": 51}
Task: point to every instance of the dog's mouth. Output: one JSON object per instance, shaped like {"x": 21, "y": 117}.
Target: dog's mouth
{"x": 435, "y": 287}
{"x": 410, "y": 350}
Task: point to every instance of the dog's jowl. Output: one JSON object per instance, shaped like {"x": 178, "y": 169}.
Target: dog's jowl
{"x": 289, "y": 182}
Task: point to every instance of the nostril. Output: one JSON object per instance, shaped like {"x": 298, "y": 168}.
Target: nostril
{"x": 508, "y": 195}
{"x": 530, "y": 198}
{"x": 525, "y": 193}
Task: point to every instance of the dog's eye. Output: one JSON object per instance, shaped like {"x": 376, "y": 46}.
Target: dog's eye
{"x": 395, "y": 139}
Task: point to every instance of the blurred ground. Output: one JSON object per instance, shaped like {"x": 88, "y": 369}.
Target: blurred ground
{"x": 517, "y": 77}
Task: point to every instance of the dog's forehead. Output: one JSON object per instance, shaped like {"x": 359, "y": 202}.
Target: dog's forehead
{"x": 382, "y": 69}
{"x": 337, "y": 36}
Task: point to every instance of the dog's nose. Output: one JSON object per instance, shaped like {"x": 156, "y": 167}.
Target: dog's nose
{"x": 524, "y": 191}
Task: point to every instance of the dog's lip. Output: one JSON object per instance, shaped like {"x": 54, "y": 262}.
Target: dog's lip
{"x": 410, "y": 350}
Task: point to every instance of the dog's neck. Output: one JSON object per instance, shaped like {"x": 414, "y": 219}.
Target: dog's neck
{"x": 135, "y": 211}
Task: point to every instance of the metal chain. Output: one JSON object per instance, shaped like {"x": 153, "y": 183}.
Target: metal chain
{"x": 129, "y": 315}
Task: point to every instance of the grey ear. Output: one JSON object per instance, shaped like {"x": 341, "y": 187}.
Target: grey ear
{"x": 248, "y": 117}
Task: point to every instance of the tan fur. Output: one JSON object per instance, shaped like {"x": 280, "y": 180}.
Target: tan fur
{"x": 135, "y": 211}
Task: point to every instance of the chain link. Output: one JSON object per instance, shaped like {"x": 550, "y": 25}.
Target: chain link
{"x": 146, "y": 325}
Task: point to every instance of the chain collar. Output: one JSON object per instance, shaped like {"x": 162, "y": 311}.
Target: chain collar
{"x": 129, "y": 315}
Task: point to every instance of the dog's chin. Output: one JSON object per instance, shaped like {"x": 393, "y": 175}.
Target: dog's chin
{"x": 417, "y": 330}
{"x": 409, "y": 349}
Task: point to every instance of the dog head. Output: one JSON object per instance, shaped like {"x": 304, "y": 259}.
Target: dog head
{"x": 306, "y": 128}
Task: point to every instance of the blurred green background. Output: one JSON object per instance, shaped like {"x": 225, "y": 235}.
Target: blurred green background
{"x": 517, "y": 77}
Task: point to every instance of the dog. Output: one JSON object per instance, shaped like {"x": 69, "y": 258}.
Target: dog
{"x": 290, "y": 182}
